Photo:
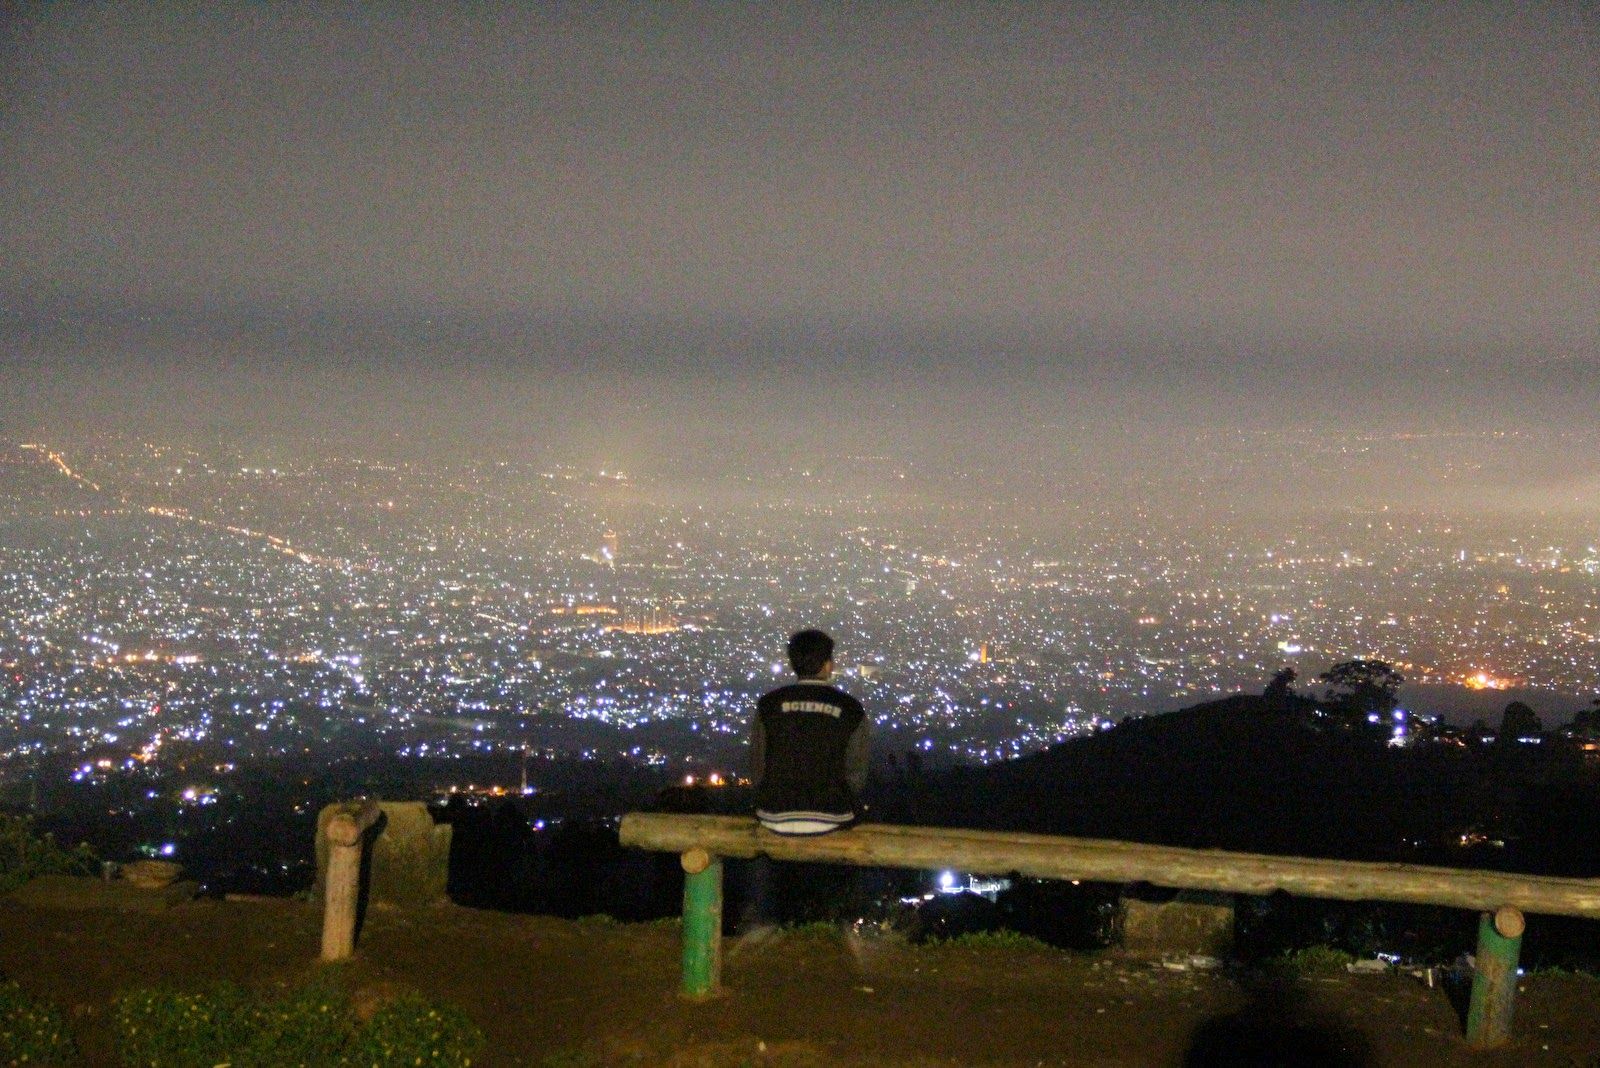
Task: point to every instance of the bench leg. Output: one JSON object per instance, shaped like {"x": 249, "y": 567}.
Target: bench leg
{"x": 1494, "y": 981}
{"x": 702, "y": 925}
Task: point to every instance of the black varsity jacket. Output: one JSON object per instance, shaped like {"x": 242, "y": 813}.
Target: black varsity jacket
{"x": 808, "y": 757}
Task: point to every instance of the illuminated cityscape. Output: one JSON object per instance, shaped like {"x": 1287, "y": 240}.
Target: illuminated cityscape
{"x": 157, "y": 595}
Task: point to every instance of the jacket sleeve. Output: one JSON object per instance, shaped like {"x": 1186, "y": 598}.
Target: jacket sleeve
{"x": 758, "y": 750}
{"x": 855, "y": 756}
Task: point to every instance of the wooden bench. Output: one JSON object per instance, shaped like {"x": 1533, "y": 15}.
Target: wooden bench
{"x": 1501, "y": 898}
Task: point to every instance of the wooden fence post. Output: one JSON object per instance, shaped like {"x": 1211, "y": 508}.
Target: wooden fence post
{"x": 702, "y": 924}
{"x": 342, "y": 900}
{"x": 1494, "y": 980}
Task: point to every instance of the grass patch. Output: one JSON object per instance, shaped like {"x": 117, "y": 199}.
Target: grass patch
{"x": 32, "y": 1031}
{"x": 1003, "y": 938}
{"x": 1557, "y": 971}
{"x": 411, "y": 1030}
{"x": 1312, "y": 960}
{"x": 821, "y": 930}
{"x": 25, "y": 855}
{"x": 165, "y": 1028}
{"x": 310, "y": 1026}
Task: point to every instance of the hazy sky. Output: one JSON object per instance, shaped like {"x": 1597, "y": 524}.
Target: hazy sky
{"x": 985, "y": 212}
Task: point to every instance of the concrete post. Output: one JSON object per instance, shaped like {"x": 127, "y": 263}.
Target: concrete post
{"x": 342, "y": 895}
{"x": 341, "y": 904}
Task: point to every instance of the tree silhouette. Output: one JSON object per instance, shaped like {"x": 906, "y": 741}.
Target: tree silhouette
{"x": 1360, "y": 689}
{"x": 1519, "y": 721}
{"x": 1279, "y": 694}
{"x": 1585, "y": 723}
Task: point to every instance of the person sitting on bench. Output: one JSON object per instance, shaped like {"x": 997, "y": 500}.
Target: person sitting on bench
{"x": 808, "y": 746}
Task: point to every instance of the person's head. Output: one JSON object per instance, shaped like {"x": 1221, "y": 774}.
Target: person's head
{"x": 811, "y": 654}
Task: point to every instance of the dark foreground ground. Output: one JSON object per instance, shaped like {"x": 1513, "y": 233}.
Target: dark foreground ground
{"x": 558, "y": 993}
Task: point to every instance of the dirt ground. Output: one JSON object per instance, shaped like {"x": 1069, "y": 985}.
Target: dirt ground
{"x": 565, "y": 994}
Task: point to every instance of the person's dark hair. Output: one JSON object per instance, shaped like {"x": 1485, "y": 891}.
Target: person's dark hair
{"x": 808, "y": 651}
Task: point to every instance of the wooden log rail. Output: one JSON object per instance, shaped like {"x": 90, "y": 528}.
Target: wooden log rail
{"x": 341, "y": 902}
{"x": 1503, "y": 898}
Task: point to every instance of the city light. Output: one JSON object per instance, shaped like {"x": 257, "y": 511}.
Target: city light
{"x": 231, "y": 630}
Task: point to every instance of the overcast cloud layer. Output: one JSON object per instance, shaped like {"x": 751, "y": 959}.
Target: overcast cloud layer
{"x": 1130, "y": 201}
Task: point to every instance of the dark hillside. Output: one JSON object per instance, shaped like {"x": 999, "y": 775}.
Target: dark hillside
{"x": 1242, "y": 773}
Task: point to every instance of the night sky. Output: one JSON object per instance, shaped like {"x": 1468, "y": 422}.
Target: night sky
{"x": 883, "y": 226}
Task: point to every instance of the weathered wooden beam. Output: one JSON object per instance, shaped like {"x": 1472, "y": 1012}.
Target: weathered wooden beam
{"x": 1055, "y": 857}
{"x": 341, "y": 903}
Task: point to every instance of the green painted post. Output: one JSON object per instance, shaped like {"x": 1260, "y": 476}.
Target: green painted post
{"x": 702, "y": 924}
{"x": 1494, "y": 980}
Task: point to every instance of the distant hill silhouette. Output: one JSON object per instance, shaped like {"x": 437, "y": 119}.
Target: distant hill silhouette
{"x": 1249, "y": 773}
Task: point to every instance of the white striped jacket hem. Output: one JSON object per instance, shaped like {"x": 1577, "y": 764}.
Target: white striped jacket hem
{"x": 804, "y": 822}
